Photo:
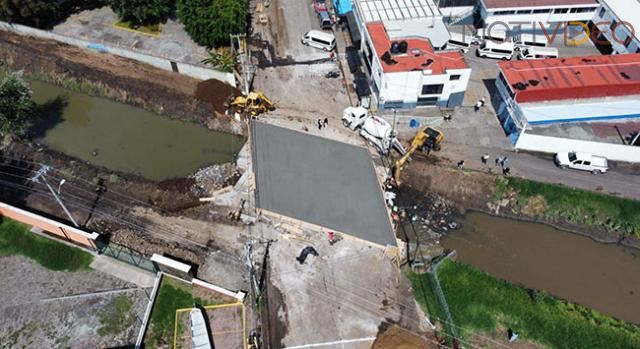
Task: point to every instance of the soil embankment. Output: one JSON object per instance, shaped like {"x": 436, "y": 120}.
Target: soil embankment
{"x": 121, "y": 79}
{"x": 476, "y": 191}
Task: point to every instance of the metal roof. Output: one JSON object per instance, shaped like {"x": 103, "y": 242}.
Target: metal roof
{"x": 573, "y": 77}
{"x": 383, "y": 10}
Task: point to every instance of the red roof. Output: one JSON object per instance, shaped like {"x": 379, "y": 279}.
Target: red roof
{"x": 494, "y": 4}
{"x": 573, "y": 78}
{"x": 420, "y": 54}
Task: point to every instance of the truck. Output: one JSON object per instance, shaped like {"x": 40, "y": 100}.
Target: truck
{"x": 374, "y": 129}
{"x": 582, "y": 161}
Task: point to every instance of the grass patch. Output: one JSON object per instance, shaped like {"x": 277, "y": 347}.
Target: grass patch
{"x": 16, "y": 239}
{"x": 577, "y": 206}
{"x": 485, "y": 304}
{"x": 118, "y": 317}
{"x": 424, "y": 290}
{"x": 147, "y": 29}
{"x": 172, "y": 295}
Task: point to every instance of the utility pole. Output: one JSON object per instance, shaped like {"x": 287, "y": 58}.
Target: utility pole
{"x": 40, "y": 177}
{"x": 247, "y": 69}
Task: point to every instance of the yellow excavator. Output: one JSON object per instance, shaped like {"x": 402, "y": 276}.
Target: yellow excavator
{"x": 253, "y": 104}
{"x": 427, "y": 139}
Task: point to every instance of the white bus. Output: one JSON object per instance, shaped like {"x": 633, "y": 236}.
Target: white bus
{"x": 534, "y": 52}
{"x": 531, "y": 40}
{"x": 460, "y": 42}
{"x": 319, "y": 39}
{"x": 490, "y": 49}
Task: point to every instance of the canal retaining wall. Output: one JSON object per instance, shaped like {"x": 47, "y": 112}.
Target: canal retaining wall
{"x": 158, "y": 62}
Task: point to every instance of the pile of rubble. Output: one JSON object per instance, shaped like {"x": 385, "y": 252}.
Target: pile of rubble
{"x": 214, "y": 177}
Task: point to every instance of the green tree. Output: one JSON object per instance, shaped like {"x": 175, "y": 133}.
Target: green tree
{"x": 16, "y": 105}
{"x": 222, "y": 59}
{"x": 209, "y": 22}
{"x": 141, "y": 11}
{"x": 37, "y": 13}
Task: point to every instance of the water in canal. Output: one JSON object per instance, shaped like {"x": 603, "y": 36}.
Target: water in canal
{"x": 600, "y": 276}
{"x": 125, "y": 138}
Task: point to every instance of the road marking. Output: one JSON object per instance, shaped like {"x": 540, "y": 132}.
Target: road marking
{"x": 344, "y": 341}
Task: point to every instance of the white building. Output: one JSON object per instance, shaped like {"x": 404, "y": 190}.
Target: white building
{"x": 404, "y": 18}
{"x": 512, "y": 13}
{"x": 536, "y": 94}
{"x": 415, "y": 75}
{"x": 618, "y": 22}
{"x": 400, "y": 44}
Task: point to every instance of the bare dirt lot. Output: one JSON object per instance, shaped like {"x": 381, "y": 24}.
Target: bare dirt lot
{"x": 47, "y": 309}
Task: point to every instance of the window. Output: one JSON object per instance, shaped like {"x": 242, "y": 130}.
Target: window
{"x": 427, "y": 101}
{"x": 613, "y": 25}
{"x": 393, "y": 105}
{"x": 627, "y": 41}
{"x": 542, "y": 10}
{"x": 432, "y": 89}
{"x": 454, "y": 77}
{"x": 638, "y": 50}
{"x": 561, "y": 10}
{"x": 504, "y": 12}
{"x": 601, "y": 13}
{"x": 523, "y": 12}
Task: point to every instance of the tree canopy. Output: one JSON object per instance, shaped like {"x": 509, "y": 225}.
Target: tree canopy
{"x": 210, "y": 22}
{"x": 141, "y": 11}
{"x": 16, "y": 105}
{"x": 37, "y": 13}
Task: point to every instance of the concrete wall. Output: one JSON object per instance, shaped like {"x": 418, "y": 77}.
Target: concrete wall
{"x": 58, "y": 229}
{"x": 158, "y": 62}
{"x": 548, "y": 144}
{"x": 607, "y": 16}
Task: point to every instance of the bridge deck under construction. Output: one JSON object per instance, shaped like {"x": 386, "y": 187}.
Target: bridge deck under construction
{"x": 323, "y": 182}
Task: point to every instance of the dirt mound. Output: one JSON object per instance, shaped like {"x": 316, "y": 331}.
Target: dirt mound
{"x": 215, "y": 93}
{"x": 399, "y": 338}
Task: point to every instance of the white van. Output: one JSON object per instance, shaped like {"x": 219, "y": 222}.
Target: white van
{"x": 460, "y": 42}
{"x": 525, "y": 39}
{"x": 489, "y": 49}
{"x": 537, "y": 52}
{"x": 319, "y": 39}
{"x": 497, "y": 35}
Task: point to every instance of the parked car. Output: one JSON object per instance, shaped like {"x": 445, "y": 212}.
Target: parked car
{"x": 490, "y": 49}
{"x": 325, "y": 20}
{"x": 319, "y": 39}
{"x": 582, "y": 161}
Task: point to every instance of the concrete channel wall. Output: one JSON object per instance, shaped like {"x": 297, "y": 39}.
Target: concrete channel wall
{"x": 58, "y": 229}
{"x": 546, "y": 144}
{"x": 158, "y": 62}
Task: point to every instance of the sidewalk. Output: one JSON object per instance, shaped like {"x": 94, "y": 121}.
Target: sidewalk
{"x": 123, "y": 271}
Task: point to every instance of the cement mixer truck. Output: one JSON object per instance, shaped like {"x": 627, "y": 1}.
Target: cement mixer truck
{"x": 374, "y": 129}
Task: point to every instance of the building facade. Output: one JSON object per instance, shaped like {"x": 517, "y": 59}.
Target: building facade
{"x": 576, "y": 89}
{"x": 618, "y": 23}
{"x": 523, "y": 14}
{"x": 413, "y": 74}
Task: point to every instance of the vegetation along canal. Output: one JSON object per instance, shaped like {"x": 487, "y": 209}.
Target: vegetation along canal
{"x": 125, "y": 138}
{"x": 600, "y": 276}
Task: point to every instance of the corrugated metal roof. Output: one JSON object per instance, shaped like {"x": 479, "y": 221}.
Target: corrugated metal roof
{"x": 573, "y": 78}
{"x": 377, "y": 10}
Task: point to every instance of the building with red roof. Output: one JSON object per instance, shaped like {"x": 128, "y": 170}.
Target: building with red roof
{"x": 407, "y": 72}
{"x": 562, "y": 90}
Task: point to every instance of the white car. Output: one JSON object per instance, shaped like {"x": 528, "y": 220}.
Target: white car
{"x": 582, "y": 161}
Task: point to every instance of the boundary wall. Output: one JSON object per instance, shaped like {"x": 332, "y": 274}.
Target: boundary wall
{"x": 546, "y": 144}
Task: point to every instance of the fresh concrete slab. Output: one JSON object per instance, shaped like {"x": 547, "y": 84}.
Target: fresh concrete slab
{"x": 320, "y": 181}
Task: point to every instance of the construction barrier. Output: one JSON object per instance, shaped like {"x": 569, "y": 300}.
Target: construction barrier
{"x": 50, "y": 226}
{"x": 187, "y": 69}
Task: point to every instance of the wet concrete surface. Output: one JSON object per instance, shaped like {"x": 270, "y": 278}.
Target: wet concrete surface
{"x": 604, "y": 277}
